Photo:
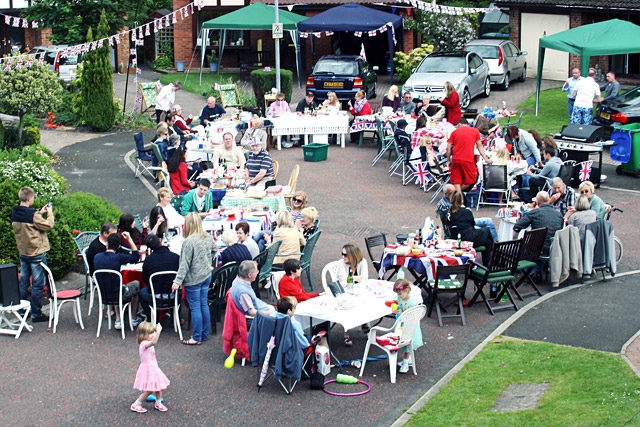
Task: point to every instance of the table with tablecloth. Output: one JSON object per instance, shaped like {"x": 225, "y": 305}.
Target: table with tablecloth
{"x": 301, "y": 124}
{"x": 276, "y": 203}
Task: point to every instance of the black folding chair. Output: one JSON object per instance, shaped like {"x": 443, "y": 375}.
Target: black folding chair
{"x": 532, "y": 244}
{"x": 220, "y": 284}
{"x": 445, "y": 283}
{"x": 375, "y": 241}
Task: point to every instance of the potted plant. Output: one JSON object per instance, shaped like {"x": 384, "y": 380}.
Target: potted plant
{"x": 212, "y": 57}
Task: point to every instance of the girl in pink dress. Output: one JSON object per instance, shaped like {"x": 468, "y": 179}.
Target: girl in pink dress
{"x": 149, "y": 379}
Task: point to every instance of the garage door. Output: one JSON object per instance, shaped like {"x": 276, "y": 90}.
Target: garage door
{"x": 533, "y": 27}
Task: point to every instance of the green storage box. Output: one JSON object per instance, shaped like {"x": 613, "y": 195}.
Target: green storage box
{"x": 315, "y": 152}
{"x": 633, "y": 165}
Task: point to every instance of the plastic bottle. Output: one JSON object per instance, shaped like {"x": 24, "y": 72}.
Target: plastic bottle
{"x": 400, "y": 274}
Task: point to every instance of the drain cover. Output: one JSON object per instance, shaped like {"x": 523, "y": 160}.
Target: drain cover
{"x": 520, "y": 396}
{"x": 361, "y": 232}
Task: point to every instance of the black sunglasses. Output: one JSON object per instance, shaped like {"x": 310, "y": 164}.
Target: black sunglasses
{"x": 343, "y": 254}
{"x": 297, "y": 200}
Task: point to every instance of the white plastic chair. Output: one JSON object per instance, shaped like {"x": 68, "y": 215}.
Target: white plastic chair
{"x": 121, "y": 305}
{"x": 333, "y": 269}
{"x": 408, "y": 322}
{"x": 91, "y": 284}
{"x": 164, "y": 301}
{"x": 59, "y": 298}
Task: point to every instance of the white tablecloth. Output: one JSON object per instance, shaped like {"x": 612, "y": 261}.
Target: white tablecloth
{"x": 294, "y": 124}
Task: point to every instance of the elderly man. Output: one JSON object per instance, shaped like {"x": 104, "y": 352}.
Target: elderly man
{"x": 586, "y": 91}
{"x": 550, "y": 170}
{"x": 612, "y": 88}
{"x": 460, "y": 154}
{"x": 543, "y": 216}
{"x": 570, "y": 86}
{"x": 242, "y": 293}
{"x": 198, "y": 200}
{"x": 407, "y": 104}
{"x": 445, "y": 204}
{"x": 211, "y": 111}
{"x": 562, "y": 196}
{"x": 229, "y": 153}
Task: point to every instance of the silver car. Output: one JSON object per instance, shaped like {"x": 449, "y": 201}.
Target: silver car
{"x": 467, "y": 71}
{"x": 506, "y": 61}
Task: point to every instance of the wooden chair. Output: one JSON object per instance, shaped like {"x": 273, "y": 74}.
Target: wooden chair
{"x": 58, "y": 298}
{"x": 446, "y": 283}
{"x": 293, "y": 182}
{"x": 276, "y": 168}
{"x": 229, "y": 96}
{"x": 532, "y": 244}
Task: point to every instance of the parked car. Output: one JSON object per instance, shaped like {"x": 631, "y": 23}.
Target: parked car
{"x": 62, "y": 62}
{"x": 343, "y": 74}
{"x": 621, "y": 110}
{"x": 506, "y": 61}
{"x": 468, "y": 72}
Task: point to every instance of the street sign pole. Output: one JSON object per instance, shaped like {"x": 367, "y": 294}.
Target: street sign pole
{"x": 277, "y": 49}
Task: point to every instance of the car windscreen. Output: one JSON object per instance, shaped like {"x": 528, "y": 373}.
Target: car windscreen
{"x": 69, "y": 60}
{"x": 486, "y": 52}
{"x": 341, "y": 68}
{"x": 631, "y": 97}
{"x": 443, "y": 64}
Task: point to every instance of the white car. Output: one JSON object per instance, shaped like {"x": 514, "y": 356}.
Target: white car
{"x": 506, "y": 61}
{"x": 467, "y": 71}
{"x": 66, "y": 65}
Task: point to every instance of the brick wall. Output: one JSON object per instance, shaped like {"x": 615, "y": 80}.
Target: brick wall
{"x": 183, "y": 41}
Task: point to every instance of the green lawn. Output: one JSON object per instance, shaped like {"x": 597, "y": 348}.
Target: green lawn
{"x": 192, "y": 83}
{"x": 552, "y": 112}
{"x": 587, "y": 388}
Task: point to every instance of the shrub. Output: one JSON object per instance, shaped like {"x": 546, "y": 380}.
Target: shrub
{"x": 86, "y": 211}
{"x": 162, "y": 62}
{"x": 404, "y": 64}
{"x": 10, "y": 136}
{"x": 35, "y": 153}
{"x": 31, "y": 136}
{"x": 45, "y": 182}
{"x": 262, "y": 82}
{"x": 445, "y": 32}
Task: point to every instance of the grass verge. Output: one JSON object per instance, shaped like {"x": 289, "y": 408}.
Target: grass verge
{"x": 587, "y": 388}
{"x": 552, "y": 112}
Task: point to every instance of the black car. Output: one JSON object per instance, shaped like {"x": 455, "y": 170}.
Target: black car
{"x": 343, "y": 74}
{"x": 622, "y": 110}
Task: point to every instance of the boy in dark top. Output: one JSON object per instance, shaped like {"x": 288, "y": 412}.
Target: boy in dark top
{"x": 403, "y": 139}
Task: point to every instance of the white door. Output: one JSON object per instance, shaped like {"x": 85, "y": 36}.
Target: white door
{"x": 534, "y": 26}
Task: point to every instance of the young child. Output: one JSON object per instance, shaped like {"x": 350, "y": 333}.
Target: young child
{"x": 287, "y": 307}
{"x": 149, "y": 378}
{"x": 405, "y": 300}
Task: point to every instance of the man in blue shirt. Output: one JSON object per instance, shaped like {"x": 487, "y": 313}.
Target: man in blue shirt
{"x": 111, "y": 260}
{"x": 211, "y": 111}
{"x": 570, "y": 86}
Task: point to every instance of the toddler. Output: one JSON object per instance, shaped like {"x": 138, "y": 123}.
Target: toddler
{"x": 149, "y": 379}
{"x": 405, "y": 300}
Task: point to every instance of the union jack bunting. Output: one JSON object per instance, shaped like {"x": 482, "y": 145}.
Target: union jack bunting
{"x": 41, "y": 59}
{"x": 7, "y": 67}
{"x": 421, "y": 172}
{"x": 30, "y": 60}
{"x": 19, "y": 63}
{"x": 585, "y": 170}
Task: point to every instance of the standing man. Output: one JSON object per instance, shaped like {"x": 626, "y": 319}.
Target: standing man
{"x": 460, "y": 154}
{"x": 211, "y": 111}
{"x": 306, "y": 102}
{"x": 30, "y": 228}
{"x": 570, "y": 86}
{"x": 612, "y": 88}
{"x": 165, "y": 100}
{"x": 585, "y": 92}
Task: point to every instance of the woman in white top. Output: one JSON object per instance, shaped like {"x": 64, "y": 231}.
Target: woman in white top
{"x": 353, "y": 263}
{"x": 174, "y": 219}
{"x": 332, "y": 102}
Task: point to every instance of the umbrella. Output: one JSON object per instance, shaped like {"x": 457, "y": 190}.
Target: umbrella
{"x": 265, "y": 366}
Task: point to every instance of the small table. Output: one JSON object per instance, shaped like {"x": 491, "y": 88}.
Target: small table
{"x": 14, "y": 327}
{"x": 300, "y": 124}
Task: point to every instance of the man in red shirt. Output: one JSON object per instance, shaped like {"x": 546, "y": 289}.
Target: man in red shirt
{"x": 463, "y": 169}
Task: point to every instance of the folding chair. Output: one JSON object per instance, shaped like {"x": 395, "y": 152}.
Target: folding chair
{"x": 109, "y": 283}
{"x": 405, "y": 326}
{"x": 220, "y": 284}
{"x": 373, "y": 242}
{"x": 83, "y": 240}
{"x": 445, "y": 282}
{"x": 265, "y": 264}
{"x": 273, "y": 346}
{"x": 532, "y": 244}
{"x": 495, "y": 180}
{"x": 305, "y": 256}
{"x": 385, "y": 142}
{"x": 58, "y": 298}
{"x": 500, "y": 271}
{"x": 144, "y": 157}
{"x": 442, "y": 179}
{"x": 164, "y": 299}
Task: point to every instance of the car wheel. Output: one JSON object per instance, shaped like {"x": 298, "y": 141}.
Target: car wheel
{"x": 505, "y": 84}
{"x": 619, "y": 170}
{"x": 523, "y": 76}
{"x": 374, "y": 93}
{"x": 487, "y": 88}
{"x": 466, "y": 98}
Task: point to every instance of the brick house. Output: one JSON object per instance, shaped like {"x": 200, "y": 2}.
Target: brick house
{"x": 532, "y": 19}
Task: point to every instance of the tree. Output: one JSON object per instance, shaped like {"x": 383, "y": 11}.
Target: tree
{"x": 443, "y": 31}
{"x": 96, "y": 83}
{"x": 69, "y": 20}
{"x": 34, "y": 89}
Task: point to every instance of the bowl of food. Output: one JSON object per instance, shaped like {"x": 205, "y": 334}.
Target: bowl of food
{"x": 416, "y": 251}
{"x": 458, "y": 252}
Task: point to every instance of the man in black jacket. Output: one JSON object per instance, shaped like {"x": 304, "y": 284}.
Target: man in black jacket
{"x": 161, "y": 259}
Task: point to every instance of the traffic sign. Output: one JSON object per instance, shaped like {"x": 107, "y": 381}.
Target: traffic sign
{"x": 277, "y": 30}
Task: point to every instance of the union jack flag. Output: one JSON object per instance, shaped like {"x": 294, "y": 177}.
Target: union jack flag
{"x": 19, "y": 63}
{"x": 41, "y": 59}
{"x": 7, "y": 67}
{"x": 421, "y": 172}
{"x": 585, "y": 170}
{"x": 30, "y": 60}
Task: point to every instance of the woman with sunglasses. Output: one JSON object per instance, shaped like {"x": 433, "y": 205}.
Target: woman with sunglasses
{"x": 596, "y": 204}
{"x": 298, "y": 202}
{"x": 279, "y": 107}
{"x": 353, "y": 264}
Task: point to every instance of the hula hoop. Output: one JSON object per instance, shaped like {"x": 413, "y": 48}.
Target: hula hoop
{"x": 359, "y": 393}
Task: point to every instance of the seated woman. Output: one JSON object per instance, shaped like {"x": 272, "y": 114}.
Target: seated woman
{"x": 308, "y": 222}
{"x": 580, "y": 215}
{"x": 177, "y": 167}
{"x": 392, "y": 98}
{"x": 432, "y": 158}
{"x": 259, "y": 166}
{"x": 256, "y": 132}
{"x": 174, "y": 219}
{"x": 360, "y": 108}
{"x": 298, "y": 202}
{"x": 353, "y": 264}
{"x": 332, "y": 103}
{"x": 127, "y": 224}
{"x": 279, "y": 107}
{"x": 158, "y": 222}
{"x": 595, "y": 203}
{"x": 460, "y": 222}
{"x": 291, "y": 238}
{"x": 234, "y": 251}
{"x": 290, "y": 284}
